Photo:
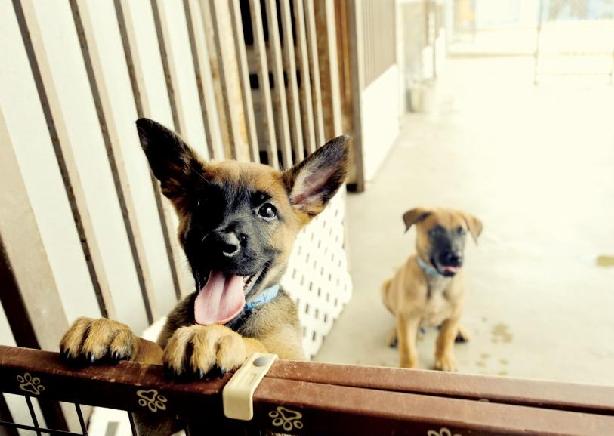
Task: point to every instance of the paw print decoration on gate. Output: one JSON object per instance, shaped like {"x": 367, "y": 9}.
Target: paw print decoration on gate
{"x": 151, "y": 399}
{"x": 286, "y": 419}
{"x": 29, "y": 384}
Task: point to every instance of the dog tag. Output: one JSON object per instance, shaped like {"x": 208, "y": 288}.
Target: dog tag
{"x": 238, "y": 392}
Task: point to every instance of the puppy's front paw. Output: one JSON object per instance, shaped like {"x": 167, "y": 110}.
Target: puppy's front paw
{"x": 197, "y": 349}
{"x": 96, "y": 339}
{"x": 445, "y": 362}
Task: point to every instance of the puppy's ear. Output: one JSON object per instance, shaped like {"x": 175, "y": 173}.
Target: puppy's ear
{"x": 474, "y": 225}
{"x": 172, "y": 162}
{"x": 313, "y": 182}
{"x": 414, "y": 216}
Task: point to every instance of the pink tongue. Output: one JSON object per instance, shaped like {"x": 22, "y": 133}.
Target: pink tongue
{"x": 220, "y": 300}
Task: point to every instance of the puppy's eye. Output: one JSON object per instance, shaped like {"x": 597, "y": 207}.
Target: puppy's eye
{"x": 267, "y": 211}
{"x": 460, "y": 230}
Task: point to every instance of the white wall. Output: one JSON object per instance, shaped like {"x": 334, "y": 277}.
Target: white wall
{"x": 380, "y": 103}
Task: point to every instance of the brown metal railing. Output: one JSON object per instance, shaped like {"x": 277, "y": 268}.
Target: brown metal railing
{"x": 318, "y": 398}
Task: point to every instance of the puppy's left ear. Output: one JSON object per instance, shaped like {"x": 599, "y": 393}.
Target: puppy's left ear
{"x": 313, "y": 182}
{"x": 171, "y": 160}
{"x": 474, "y": 225}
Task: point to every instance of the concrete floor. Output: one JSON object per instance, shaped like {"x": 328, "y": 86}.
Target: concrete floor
{"x": 536, "y": 164}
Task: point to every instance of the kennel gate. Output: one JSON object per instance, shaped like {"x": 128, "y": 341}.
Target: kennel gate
{"x": 319, "y": 399}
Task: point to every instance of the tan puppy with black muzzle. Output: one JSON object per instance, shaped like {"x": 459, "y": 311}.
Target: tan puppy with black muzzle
{"x": 428, "y": 289}
{"x": 237, "y": 225}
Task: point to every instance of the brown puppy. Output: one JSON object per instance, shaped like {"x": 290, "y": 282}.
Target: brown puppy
{"x": 237, "y": 224}
{"x": 428, "y": 289}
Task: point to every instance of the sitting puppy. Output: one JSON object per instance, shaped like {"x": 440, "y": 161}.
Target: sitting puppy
{"x": 428, "y": 289}
{"x": 237, "y": 224}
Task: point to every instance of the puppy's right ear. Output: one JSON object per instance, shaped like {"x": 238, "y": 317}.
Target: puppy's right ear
{"x": 314, "y": 181}
{"x": 414, "y": 216}
{"x": 474, "y": 225}
{"x": 172, "y": 162}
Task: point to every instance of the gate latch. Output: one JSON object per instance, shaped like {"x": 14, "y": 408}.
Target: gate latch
{"x": 238, "y": 392}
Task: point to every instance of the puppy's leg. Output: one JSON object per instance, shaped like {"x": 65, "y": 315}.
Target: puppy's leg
{"x": 444, "y": 353}
{"x": 407, "y": 330}
{"x": 393, "y": 340}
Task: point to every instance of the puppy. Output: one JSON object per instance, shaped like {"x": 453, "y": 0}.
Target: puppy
{"x": 237, "y": 224}
{"x": 428, "y": 289}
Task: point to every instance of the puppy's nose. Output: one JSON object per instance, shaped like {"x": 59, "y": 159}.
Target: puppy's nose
{"x": 450, "y": 258}
{"x": 229, "y": 244}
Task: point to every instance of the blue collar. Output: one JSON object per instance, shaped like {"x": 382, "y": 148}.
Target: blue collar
{"x": 428, "y": 269}
{"x": 264, "y": 297}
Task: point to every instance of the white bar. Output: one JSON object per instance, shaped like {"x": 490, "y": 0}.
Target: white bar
{"x": 63, "y": 73}
{"x": 147, "y": 63}
{"x": 26, "y": 132}
{"x": 113, "y": 82}
{"x": 183, "y": 77}
{"x": 279, "y": 87}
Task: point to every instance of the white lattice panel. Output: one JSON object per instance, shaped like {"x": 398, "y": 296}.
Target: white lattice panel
{"x": 317, "y": 277}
